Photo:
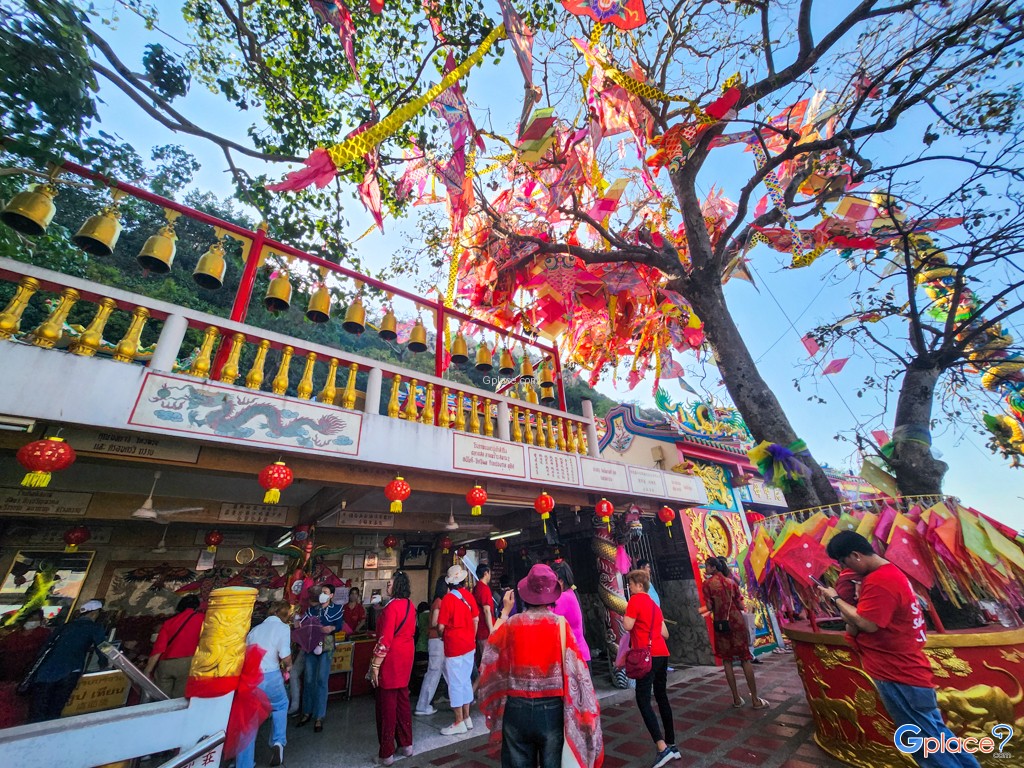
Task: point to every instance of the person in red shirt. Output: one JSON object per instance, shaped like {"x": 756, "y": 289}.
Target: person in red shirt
{"x": 646, "y": 626}
{"x": 457, "y": 622}
{"x": 887, "y": 628}
{"x": 485, "y": 604}
{"x": 175, "y": 646}
{"x": 353, "y": 614}
{"x": 391, "y": 669}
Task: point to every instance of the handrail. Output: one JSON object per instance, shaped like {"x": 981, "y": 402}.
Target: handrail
{"x": 118, "y": 660}
{"x": 187, "y": 756}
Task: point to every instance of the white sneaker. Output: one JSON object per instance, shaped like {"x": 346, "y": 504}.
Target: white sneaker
{"x": 469, "y": 723}
{"x": 454, "y": 729}
{"x": 425, "y": 712}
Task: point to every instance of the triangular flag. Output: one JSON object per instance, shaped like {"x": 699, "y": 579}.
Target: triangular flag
{"x": 687, "y": 388}
{"x": 835, "y": 366}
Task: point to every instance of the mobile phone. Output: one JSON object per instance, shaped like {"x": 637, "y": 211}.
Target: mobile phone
{"x": 819, "y": 582}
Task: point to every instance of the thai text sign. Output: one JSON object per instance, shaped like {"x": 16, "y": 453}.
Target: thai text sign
{"x": 25, "y": 501}
{"x": 688, "y": 488}
{"x": 552, "y": 467}
{"x": 604, "y": 475}
{"x": 132, "y": 446}
{"x": 486, "y": 456}
{"x": 358, "y": 519}
{"x": 646, "y": 482}
{"x": 97, "y": 692}
{"x": 253, "y": 513}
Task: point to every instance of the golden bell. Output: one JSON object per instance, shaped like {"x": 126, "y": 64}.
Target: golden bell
{"x": 157, "y": 254}
{"x": 279, "y": 294}
{"x": 526, "y": 369}
{"x": 483, "y": 358}
{"x": 547, "y": 381}
{"x": 418, "y": 337}
{"x": 30, "y": 212}
{"x": 547, "y": 397}
{"x": 460, "y": 353}
{"x": 355, "y": 317}
{"x": 319, "y": 308}
{"x": 507, "y": 366}
{"x": 388, "y": 326}
{"x": 209, "y": 272}
{"x": 98, "y": 235}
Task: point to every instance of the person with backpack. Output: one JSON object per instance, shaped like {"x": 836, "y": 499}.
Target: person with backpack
{"x": 391, "y": 668}
{"x": 175, "y": 645}
{"x": 457, "y": 624}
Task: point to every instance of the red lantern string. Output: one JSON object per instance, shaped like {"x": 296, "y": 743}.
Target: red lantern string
{"x": 396, "y": 492}
{"x": 501, "y": 545}
{"x": 604, "y": 510}
{"x": 476, "y": 498}
{"x": 543, "y": 504}
{"x": 275, "y": 478}
{"x": 42, "y": 457}
{"x": 667, "y": 515}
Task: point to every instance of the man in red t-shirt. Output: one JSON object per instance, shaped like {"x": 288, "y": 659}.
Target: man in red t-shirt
{"x": 456, "y": 623}
{"x": 485, "y": 604}
{"x": 887, "y": 628}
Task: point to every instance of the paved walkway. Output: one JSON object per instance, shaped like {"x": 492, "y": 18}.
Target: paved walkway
{"x": 709, "y": 732}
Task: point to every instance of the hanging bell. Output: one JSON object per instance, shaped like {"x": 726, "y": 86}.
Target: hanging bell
{"x": 98, "y": 235}
{"x": 31, "y": 211}
{"x": 355, "y": 317}
{"x": 547, "y": 396}
{"x": 418, "y": 337}
{"x": 388, "y": 326}
{"x": 319, "y": 308}
{"x": 157, "y": 254}
{"x": 483, "y": 358}
{"x": 460, "y": 353}
{"x": 526, "y": 369}
{"x": 209, "y": 272}
{"x": 507, "y": 366}
{"x": 547, "y": 381}
{"x": 279, "y": 294}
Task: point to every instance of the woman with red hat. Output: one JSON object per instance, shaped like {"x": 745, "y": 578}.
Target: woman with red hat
{"x": 535, "y": 690}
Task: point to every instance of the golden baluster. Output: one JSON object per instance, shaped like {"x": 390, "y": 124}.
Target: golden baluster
{"x": 581, "y": 443}
{"x": 52, "y": 328}
{"x": 517, "y": 432}
{"x": 10, "y": 318}
{"x": 128, "y": 346}
{"x": 488, "y": 424}
{"x": 348, "y": 397}
{"x": 393, "y": 400}
{"x": 528, "y": 432}
{"x": 542, "y": 432}
{"x": 560, "y": 433}
{"x": 280, "y": 383}
{"x": 443, "y": 417}
{"x": 460, "y": 412}
{"x": 89, "y": 342}
{"x": 305, "y": 389}
{"x": 474, "y": 416}
{"x": 330, "y": 390}
{"x": 201, "y": 365}
{"x": 411, "y": 414}
{"x": 570, "y": 441}
{"x": 552, "y": 442}
{"x": 254, "y": 379}
{"x": 427, "y": 416}
{"x": 230, "y": 371}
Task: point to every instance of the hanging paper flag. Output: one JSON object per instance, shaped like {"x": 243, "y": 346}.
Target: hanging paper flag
{"x": 1002, "y": 545}
{"x": 538, "y": 135}
{"x": 907, "y": 553}
{"x": 686, "y": 387}
{"x": 606, "y": 205}
{"x": 881, "y": 436}
{"x": 336, "y": 14}
{"x": 319, "y": 170}
{"x": 810, "y": 345}
{"x": 835, "y": 366}
{"x": 520, "y": 37}
{"x": 624, "y": 14}
{"x": 802, "y": 557}
{"x": 975, "y": 539}
{"x": 369, "y": 191}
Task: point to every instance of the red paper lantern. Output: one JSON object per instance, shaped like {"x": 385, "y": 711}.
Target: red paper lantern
{"x": 667, "y": 515}
{"x": 476, "y": 498}
{"x": 604, "y": 510}
{"x": 73, "y": 537}
{"x": 275, "y": 478}
{"x": 501, "y": 545}
{"x": 390, "y": 542}
{"x": 753, "y": 518}
{"x": 461, "y": 551}
{"x": 544, "y": 504}
{"x": 446, "y": 545}
{"x": 396, "y": 492}
{"x": 41, "y": 457}
{"x": 213, "y": 540}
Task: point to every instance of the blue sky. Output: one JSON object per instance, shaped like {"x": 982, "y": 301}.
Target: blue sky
{"x": 805, "y": 297}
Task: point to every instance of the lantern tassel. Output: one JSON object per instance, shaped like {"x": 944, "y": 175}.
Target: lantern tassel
{"x": 211, "y": 548}
{"x": 396, "y": 507}
{"x": 272, "y": 496}
{"x": 477, "y": 510}
{"x": 36, "y": 479}
{"x": 71, "y": 548}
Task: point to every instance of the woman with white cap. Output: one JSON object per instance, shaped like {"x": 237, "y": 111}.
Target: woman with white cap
{"x": 456, "y": 623}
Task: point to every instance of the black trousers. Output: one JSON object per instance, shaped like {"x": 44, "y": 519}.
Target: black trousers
{"x": 656, "y": 680}
{"x": 48, "y": 699}
{"x": 532, "y": 733}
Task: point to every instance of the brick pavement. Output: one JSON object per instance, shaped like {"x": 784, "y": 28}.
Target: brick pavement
{"x": 709, "y": 732}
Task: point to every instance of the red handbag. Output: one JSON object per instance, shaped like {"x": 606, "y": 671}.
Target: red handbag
{"x": 638, "y": 660}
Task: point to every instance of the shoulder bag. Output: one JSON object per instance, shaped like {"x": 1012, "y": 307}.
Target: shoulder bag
{"x": 638, "y": 660}
{"x": 25, "y": 686}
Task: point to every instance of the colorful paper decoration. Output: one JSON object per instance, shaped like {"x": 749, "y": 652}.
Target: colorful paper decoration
{"x": 781, "y": 466}
{"x": 275, "y": 478}
{"x": 476, "y": 498}
{"x": 624, "y": 14}
{"x": 42, "y": 458}
{"x": 396, "y": 492}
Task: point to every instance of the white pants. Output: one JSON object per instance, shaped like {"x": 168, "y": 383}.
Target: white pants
{"x": 458, "y": 671}
{"x": 435, "y": 665}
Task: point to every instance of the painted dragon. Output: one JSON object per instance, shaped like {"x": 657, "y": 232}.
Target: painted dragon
{"x": 702, "y": 419}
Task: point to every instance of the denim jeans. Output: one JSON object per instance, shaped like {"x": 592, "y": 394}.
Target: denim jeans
{"x": 909, "y": 704}
{"x": 273, "y": 686}
{"x": 314, "y": 684}
{"x": 656, "y": 679}
{"x": 435, "y": 665}
{"x": 531, "y": 733}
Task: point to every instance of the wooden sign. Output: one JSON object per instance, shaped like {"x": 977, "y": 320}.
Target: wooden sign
{"x": 26, "y": 501}
{"x": 130, "y": 446}
{"x": 253, "y": 513}
{"x": 342, "y": 661}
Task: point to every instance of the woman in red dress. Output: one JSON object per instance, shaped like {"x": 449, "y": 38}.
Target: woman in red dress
{"x": 724, "y": 603}
{"x": 391, "y": 668}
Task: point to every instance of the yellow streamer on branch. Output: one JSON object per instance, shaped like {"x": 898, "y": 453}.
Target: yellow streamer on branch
{"x": 355, "y": 147}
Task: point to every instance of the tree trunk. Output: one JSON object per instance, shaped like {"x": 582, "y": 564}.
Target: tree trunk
{"x": 918, "y": 473}
{"x": 753, "y": 397}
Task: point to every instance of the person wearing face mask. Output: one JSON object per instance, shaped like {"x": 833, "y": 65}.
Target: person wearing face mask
{"x": 318, "y": 660}
{"x": 18, "y": 649}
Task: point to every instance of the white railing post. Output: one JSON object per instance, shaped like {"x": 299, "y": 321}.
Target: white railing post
{"x": 588, "y": 413}
{"x": 503, "y": 417}
{"x": 374, "y": 381}
{"x": 169, "y": 344}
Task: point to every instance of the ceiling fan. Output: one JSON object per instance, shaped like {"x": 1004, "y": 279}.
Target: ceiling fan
{"x": 147, "y": 512}
{"x": 160, "y": 548}
{"x": 454, "y": 525}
